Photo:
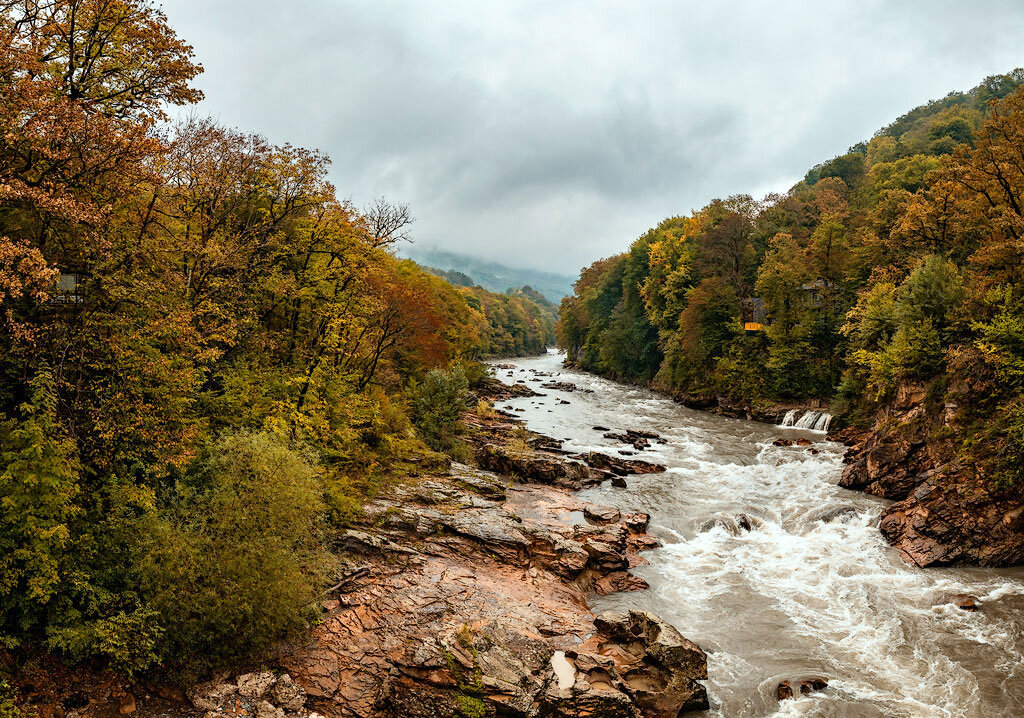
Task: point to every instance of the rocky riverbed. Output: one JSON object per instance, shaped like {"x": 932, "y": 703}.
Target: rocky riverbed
{"x": 471, "y": 600}
{"x": 466, "y": 594}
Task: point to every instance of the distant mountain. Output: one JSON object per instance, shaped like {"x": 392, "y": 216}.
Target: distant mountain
{"x": 459, "y": 279}
{"x": 493, "y": 276}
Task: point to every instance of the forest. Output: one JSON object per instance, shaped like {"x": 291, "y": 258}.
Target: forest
{"x": 207, "y": 360}
{"x": 895, "y": 264}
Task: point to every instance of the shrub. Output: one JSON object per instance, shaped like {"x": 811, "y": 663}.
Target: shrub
{"x": 39, "y": 483}
{"x": 8, "y": 704}
{"x": 437, "y": 404}
{"x": 238, "y": 564}
{"x": 127, "y": 640}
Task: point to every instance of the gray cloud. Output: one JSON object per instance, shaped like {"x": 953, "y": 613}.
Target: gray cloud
{"x": 550, "y": 134}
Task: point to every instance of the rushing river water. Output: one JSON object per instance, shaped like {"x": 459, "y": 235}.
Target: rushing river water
{"x": 795, "y": 597}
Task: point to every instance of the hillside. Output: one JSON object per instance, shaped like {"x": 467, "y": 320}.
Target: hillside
{"x": 887, "y": 282}
{"x": 491, "y": 275}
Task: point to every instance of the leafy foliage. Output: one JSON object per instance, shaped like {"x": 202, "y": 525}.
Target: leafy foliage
{"x": 188, "y": 316}
{"x": 437, "y": 404}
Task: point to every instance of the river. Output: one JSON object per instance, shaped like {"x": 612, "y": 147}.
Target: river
{"x": 795, "y": 597}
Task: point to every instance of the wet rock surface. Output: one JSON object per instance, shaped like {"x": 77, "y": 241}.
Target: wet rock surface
{"x": 620, "y": 467}
{"x": 262, "y": 694}
{"x": 471, "y": 599}
{"x": 793, "y": 688}
{"x": 469, "y": 615}
{"x": 945, "y": 512}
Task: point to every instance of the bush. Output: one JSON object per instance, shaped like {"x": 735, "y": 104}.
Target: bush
{"x": 437, "y": 404}
{"x": 39, "y": 485}
{"x": 238, "y": 565}
{"x": 127, "y": 640}
{"x": 8, "y": 704}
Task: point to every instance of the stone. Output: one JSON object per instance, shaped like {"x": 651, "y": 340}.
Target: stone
{"x": 601, "y": 514}
{"x": 809, "y": 685}
{"x": 618, "y": 482}
{"x": 288, "y": 695}
{"x": 782, "y": 442}
{"x": 621, "y": 467}
{"x": 127, "y": 704}
{"x": 255, "y": 685}
{"x": 619, "y": 581}
{"x": 531, "y": 466}
{"x": 637, "y": 522}
{"x": 266, "y": 709}
{"x": 724, "y": 522}
{"x": 211, "y": 696}
{"x": 784, "y": 691}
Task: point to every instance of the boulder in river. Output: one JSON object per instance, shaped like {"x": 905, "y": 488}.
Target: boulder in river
{"x": 619, "y": 466}
{"x": 724, "y": 522}
{"x": 786, "y": 690}
{"x": 965, "y": 602}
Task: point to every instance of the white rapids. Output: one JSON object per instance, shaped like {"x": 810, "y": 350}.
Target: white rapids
{"x": 797, "y": 596}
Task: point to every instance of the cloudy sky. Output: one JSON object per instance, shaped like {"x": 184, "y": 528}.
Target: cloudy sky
{"x": 547, "y": 134}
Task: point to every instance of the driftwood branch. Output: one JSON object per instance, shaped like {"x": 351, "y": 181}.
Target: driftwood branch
{"x": 357, "y": 573}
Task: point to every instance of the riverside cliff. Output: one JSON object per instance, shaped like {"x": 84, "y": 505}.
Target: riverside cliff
{"x": 947, "y": 510}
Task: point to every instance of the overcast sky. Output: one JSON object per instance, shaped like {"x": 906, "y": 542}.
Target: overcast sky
{"x": 548, "y": 134}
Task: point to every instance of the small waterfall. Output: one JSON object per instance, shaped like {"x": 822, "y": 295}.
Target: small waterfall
{"x": 812, "y": 420}
{"x": 808, "y": 420}
{"x": 823, "y": 421}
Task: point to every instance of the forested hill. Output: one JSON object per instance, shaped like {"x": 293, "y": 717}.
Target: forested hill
{"x": 894, "y": 270}
{"x": 492, "y": 275}
{"x": 863, "y": 273}
{"x": 207, "y": 360}
{"x": 522, "y": 320}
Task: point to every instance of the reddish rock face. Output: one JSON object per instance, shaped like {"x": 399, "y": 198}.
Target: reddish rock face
{"x": 945, "y": 512}
{"x": 471, "y": 589}
{"x": 621, "y": 467}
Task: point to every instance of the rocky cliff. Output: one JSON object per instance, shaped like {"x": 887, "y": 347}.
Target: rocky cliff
{"x": 948, "y": 510}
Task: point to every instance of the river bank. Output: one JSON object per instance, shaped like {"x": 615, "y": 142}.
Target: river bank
{"x": 465, "y": 593}
{"x": 604, "y": 523}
